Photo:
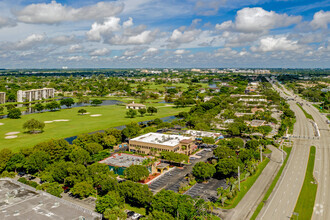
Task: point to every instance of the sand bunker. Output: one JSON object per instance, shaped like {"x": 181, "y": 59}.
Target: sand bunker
{"x": 58, "y": 120}
{"x": 87, "y": 113}
{"x": 13, "y": 133}
{"x": 48, "y": 122}
{"x": 1, "y": 123}
{"x": 11, "y": 137}
{"x": 97, "y": 115}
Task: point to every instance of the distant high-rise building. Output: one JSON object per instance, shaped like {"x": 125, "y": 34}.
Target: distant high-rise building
{"x": 2, "y": 97}
{"x": 35, "y": 94}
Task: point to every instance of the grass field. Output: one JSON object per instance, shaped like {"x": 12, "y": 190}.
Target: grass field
{"x": 247, "y": 184}
{"x": 306, "y": 200}
{"x": 111, "y": 116}
{"x": 309, "y": 116}
{"x": 272, "y": 186}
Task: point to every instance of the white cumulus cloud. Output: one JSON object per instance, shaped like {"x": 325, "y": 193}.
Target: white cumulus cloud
{"x": 321, "y": 19}
{"x": 6, "y": 22}
{"x": 53, "y": 13}
{"x": 258, "y": 20}
{"x": 276, "y": 44}
{"x": 100, "y": 52}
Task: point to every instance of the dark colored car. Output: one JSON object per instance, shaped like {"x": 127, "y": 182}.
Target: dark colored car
{"x": 21, "y": 174}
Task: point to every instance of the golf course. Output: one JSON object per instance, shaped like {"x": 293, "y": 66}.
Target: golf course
{"x": 67, "y": 122}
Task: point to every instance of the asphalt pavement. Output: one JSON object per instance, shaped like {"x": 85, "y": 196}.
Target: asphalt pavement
{"x": 282, "y": 201}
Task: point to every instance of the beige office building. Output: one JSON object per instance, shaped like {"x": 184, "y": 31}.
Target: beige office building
{"x": 35, "y": 94}
{"x": 2, "y": 97}
{"x": 154, "y": 143}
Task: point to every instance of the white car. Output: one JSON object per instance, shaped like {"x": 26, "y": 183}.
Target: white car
{"x": 136, "y": 216}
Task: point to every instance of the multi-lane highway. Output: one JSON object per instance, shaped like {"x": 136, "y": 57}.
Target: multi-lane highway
{"x": 322, "y": 166}
{"x": 284, "y": 197}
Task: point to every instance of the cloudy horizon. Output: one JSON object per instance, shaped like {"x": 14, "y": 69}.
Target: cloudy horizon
{"x": 173, "y": 34}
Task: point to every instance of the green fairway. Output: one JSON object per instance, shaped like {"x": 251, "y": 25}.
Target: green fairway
{"x": 306, "y": 200}
{"x": 111, "y": 116}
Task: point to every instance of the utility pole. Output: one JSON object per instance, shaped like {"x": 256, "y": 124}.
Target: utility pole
{"x": 239, "y": 179}
{"x": 260, "y": 153}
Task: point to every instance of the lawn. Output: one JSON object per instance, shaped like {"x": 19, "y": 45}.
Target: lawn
{"x": 272, "y": 186}
{"x": 306, "y": 113}
{"x": 306, "y": 200}
{"x": 247, "y": 184}
{"x": 111, "y": 116}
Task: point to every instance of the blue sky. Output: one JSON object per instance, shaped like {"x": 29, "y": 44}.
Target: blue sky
{"x": 158, "y": 33}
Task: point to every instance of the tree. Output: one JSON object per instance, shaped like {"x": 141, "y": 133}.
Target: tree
{"x": 152, "y": 110}
{"x": 252, "y": 144}
{"x": 82, "y": 111}
{"x": 38, "y": 161}
{"x": 52, "y": 106}
{"x": 82, "y": 189}
{"x": 116, "y": 133}
{"x": 227, "y": 166}
{"x": 208, "y": 140}
{"x": 14, "y": 113}
{"x": 16, "y": 162}
{"x": 67, "y": 102}
{"x": 159, "y": 215}
{"x": 203, "y": 170}
{"x": 135, "y": 194}
{"x": 131, "y": 130}
{"x": 33, "y": 125}
{"x": 57, "y": 149}
{"x": 80, "y": 156}
{"x": 165, "y": 201}
{"x": 110, "y": 141}
{"x": 115, "y": 214}
{"x": 10, "y": 107}
{"x": 93, "y": 148}
{"x": 54, "y": 188}
{"x": 39, "y": 107}
{"x": 136, "y": 172}
{"x": 131, "y": 113}
{"x": 110, "y": 200}
{"x": 5, "y": 156}
{"x": 224, "y": 152}
{"x": 96, "y": 102}
{"x": 142, "y": 111}
{"x": 236, "y": 143}
{"x": 1, "y": 109}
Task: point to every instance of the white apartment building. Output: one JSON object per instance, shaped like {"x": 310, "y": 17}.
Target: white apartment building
{"x": 2, "y": 97}
{"x": 35, "y": 94}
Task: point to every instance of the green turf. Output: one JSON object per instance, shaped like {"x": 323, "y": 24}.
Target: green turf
{"x": 247, "y": 184}
{"x": 306, "y": 200}
{"x": 306, "y": 113}
{"x": 272, "y": 186}
{"x": 141, "y": 211}
{"x": 112, "y": 116}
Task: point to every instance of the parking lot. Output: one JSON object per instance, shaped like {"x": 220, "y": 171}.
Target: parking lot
{"x": 207, "y": 191}
{"x": 172, "y": 179}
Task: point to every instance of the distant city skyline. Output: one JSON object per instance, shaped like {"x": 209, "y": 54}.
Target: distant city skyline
{"x": 164, "y": 34}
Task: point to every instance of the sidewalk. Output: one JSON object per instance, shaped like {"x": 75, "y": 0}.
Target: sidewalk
{"x": 246, "y": 207}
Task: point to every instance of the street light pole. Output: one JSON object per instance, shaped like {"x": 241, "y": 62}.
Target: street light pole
{"x": 239, "y": 179}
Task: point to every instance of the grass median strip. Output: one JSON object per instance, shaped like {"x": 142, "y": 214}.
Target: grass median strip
{"x": 309, "y": 116}
{"x": 272, "y": 186}
{"x": 306, "y": 200}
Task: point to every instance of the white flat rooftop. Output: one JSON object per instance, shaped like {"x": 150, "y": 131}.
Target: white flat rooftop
{"x": 161, "y": 139}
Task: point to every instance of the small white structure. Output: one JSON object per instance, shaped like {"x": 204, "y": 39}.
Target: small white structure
{"x": 135, "y": 106}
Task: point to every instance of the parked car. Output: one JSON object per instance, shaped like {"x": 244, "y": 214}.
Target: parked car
{"x": 136, "y": 216}
{"x": 21, "y": 174}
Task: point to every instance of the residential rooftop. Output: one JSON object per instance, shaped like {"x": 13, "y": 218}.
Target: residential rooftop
{"x": 161, "y": 139}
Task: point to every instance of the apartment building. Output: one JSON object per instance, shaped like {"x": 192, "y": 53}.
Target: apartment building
{"x": 35, "y": 94}
{"x": 2, "y": 97}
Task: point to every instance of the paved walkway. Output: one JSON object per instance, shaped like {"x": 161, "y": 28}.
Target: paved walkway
{"x": 246, "y": 207}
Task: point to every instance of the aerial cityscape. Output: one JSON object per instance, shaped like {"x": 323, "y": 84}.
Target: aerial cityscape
{"x": 164, "y": 110}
